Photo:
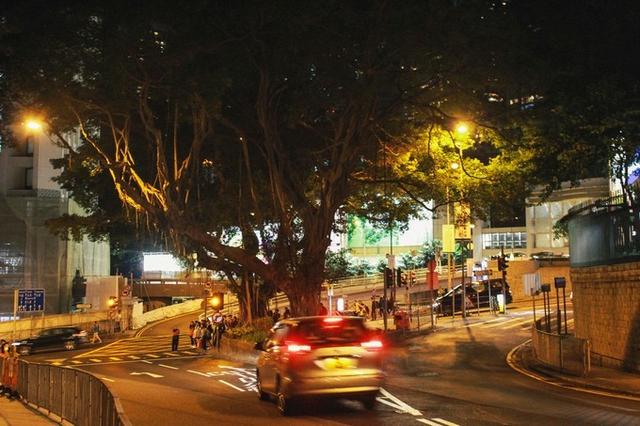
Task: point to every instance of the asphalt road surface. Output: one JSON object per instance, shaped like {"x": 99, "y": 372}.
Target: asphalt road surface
{"x": 455, "y": 376}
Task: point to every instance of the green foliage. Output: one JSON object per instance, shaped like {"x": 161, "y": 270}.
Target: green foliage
{"x": 341, "y": 264}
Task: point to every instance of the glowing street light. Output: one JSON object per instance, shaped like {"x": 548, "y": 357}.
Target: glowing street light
{"x": 454, "y": 165}
{"x": 33, "y": 124}
{"x": 462, "y": 128}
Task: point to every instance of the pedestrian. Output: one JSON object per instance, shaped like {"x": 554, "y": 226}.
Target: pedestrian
{"x": 287, "y": 313}
{"x": 276, "y": 315}
{"x": 217, "y": 333}
{"x": 175, "y": 339}
{"x": 192, "y": 336}
{"x": 206, "y": 338}
{"x": 374, "y": 308}
{"x": 96, "y": 333}
{"x": 323, "y": 311}
{"x": 269, "y": 313}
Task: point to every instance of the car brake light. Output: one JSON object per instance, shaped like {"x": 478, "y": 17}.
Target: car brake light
{"x": 297, "y": 348}
{"x": 332, "y": 320}
{"x": 372, "y": 344}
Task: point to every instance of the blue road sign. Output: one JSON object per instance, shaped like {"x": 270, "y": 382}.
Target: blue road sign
{"x": 31, "y": 300}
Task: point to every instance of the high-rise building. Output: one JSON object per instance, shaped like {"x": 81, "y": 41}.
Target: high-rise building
{"x": 30, "y": 255}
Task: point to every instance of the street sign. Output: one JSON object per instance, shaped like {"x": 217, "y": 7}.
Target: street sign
{"x": 31, "y": 300}
{"x": 83, "y": 306}
{"x": 560, "y": 282}
{"x": 448, "y": 239}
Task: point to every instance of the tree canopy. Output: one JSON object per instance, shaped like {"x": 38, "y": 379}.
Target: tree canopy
{"x": 241, "y": 131}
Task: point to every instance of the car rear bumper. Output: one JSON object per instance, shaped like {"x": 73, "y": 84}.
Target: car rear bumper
{"x": 335, "y": 386}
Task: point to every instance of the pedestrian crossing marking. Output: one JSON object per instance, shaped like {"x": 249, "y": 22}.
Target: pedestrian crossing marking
{"x": 437, "y": 422}
{"x": 526, "y": 322}
{"x": 133, "y": 357}
{"x": 76, "y": 362}
{"x": 153, "y": 355}
{"x": 502, "y": 323}
{"x": 482, "y": 323}
{"x": 95, "y": 360}
{"x": 170, "y": 353}
{"x": 114, "y": 358}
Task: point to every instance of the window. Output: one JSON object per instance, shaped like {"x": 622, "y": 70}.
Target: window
{"x": 496, "y": 240}
{"x": 28, "y": 145}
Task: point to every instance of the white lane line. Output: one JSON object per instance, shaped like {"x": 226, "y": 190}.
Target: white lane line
{"x": 167, "y": 366}
{"x": 95, "y": 360}
{"x": 146, "y": 373}
{"x": 133, "y": 357}
{"x": 76, "y": 362}
{"x": 108, "y": 380}
{"x": 146, "y": 362}
{"x": 153, "y": 356}
{"x": 230, "y": 385}
{"x": 198, "y": 372}
{"x": 444, "y": 422}
{"x": 396, "y": 403}
{"x": 170, "y": 354}
{"x": 428, "y": 422}
{"x": 115, "y": 358}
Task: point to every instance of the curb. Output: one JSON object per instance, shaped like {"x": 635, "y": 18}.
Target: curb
{"x": 562, "y": 382}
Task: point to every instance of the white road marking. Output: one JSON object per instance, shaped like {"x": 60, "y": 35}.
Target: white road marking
{"x": 146, "y": 362}
{"x": 170, "y": 354}
{"x": 167, "y": 366}
{"x": 198, "y": 372}
{"x": 482, "y": 323}
{"x": 146, "y": 373}
{"x": 444, "y": 422}
{"x": 115, "y": 358}
{"x": 396, "y": 403}
{"x": 230, "y": 385}
{"x": 504, "y": 322}
{"x": 133, "y": 357}
{"x": 153, "y": 356}
{"x": 76, "y": 362}
{"x": 108, "y": 380}
{"x": 428, "y": 422}
{"x": 95, "y": 360}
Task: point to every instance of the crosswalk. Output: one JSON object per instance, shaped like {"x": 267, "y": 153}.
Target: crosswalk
{"x": 523, "y": 322}
{"x": 131, "y": 349}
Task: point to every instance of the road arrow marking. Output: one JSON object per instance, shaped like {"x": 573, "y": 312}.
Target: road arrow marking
{"x": 394, "y": 402}
{"x": 230, "y": 385}
{"x": 146, "y": 373}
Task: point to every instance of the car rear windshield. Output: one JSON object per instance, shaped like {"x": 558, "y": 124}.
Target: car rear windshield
{"x": 331, "y": 331}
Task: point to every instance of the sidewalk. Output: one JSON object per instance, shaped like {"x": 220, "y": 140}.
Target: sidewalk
{"x": 15, "y": 413}
{"x": 600, "y": 380}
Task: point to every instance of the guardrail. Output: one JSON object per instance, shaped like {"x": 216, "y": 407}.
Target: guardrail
{"x": 69, "y": 395}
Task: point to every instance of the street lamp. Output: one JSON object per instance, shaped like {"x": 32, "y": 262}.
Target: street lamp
{"x": 33, "y": 124}
{"x": 462, "y": 128}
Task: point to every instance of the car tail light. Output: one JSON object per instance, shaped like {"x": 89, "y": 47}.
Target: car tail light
{"x": 293, "y": 347}
{"x": 372, "y": 345}
{"x": 332, "y": 320}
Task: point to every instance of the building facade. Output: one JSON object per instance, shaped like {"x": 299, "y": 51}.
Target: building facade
{"x": 30, "y": 255}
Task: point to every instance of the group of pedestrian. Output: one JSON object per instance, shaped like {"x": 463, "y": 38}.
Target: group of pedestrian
{"x": 276, "y": 316}
{"x": 207, "y": 333}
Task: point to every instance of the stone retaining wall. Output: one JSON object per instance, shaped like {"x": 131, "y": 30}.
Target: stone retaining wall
{"x": 606, "y": 304}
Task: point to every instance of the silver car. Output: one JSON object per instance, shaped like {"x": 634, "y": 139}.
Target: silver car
{"x": 321, "y": 356}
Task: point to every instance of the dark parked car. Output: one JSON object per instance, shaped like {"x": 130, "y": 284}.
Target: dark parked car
{"x": 67, "y": 338}
{"x": 444, "y": 304}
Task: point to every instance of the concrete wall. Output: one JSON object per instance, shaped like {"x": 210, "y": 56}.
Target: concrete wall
{"x": 548, "y": 270}
{"x": 140, "y": 319}
{"x": 606, "y": 305}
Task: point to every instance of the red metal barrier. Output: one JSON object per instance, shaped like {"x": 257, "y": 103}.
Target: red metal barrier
{"x": 9, "y": 376}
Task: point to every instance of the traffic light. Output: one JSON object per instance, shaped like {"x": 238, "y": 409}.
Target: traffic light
{"x": 503, "y": 263}
{"x": 217, "y": 301}
{"x": 399, "y": 280}
{"x": 412, "y": 278}
{"x": 112, "y": 302}
{"x": 388, "y": 277}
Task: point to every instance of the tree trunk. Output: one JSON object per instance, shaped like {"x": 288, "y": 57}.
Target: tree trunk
{"x": 304, "y": 297}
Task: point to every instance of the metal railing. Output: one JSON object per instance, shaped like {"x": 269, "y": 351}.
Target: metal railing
{"x": 604, "y": 237}
{"x": 72, "y": 395}
{"x": 562, "y": 352}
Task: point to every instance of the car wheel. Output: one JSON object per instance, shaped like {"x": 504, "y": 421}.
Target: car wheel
{"x": 69, "y": 345}
{"x": 284, "y": 404}
{"x": 262, "y": 395}
{"x": 24, "y": 350}
{"x": 369, "y": 402}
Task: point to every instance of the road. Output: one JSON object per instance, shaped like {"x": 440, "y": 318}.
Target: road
{"x": 455, "y": 376}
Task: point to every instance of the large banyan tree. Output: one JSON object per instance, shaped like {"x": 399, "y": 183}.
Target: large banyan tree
{"x": 242, "y": 130}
